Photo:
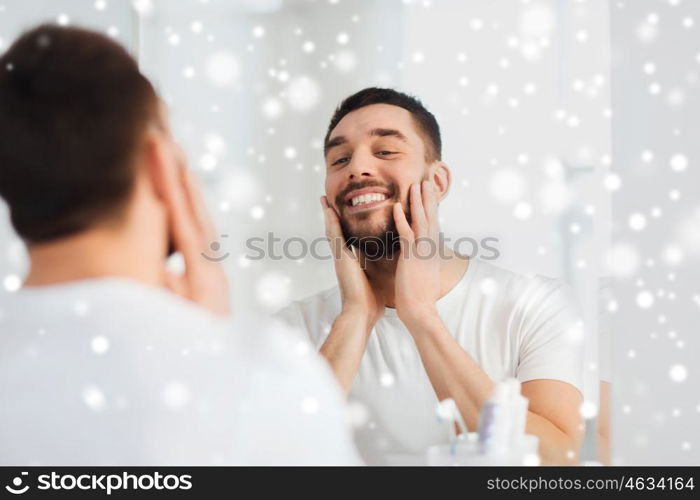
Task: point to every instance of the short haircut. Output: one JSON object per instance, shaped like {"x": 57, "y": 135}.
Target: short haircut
{"x": 74, "y": 109}
{"x": 424, "y": 119}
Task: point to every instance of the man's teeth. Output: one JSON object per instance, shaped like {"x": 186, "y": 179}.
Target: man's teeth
{"x": 367, "y": 198}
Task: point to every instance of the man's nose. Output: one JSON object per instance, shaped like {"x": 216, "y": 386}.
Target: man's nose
{"x": 361, "y": 166}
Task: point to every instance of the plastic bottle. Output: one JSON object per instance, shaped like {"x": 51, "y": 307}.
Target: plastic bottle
{"x": 519, "y": 410}
{"x": 502, "y": 420}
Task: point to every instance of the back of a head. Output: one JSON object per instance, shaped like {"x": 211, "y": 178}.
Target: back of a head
{"x": 74, "y": 108}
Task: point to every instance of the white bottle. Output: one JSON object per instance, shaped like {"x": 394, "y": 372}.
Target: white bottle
{"x": 503, "y": 418}
{"x": 496, "y": 422}
{"x": 519, "y": 410}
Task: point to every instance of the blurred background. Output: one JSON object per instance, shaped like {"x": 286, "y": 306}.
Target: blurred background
{"x": 652, "y": 307}
{"x": 521, "y": 90}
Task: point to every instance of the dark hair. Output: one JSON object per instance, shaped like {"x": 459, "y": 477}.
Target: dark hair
{"x": 427, "y": 124}
{"x": 74, "y": 109}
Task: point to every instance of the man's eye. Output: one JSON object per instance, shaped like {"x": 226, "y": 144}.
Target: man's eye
{"x": 386, "y": 153}
{"x": 344, "y": 159}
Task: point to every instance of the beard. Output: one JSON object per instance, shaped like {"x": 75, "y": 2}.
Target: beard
{"x": 374, "y": 241}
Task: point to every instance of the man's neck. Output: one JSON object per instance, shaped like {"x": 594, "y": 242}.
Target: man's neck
{"x": 97, "y": 253}
{"x": 382, "y": 273}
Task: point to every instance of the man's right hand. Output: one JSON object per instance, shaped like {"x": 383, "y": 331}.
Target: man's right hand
{"x": 192, "y": 229}
{"x": 359, "y": 300}
{"x": 361, "y": 307}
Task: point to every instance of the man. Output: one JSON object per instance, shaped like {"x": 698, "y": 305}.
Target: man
{"x": 412, "y": 323}
{"x": 105, "y": 357}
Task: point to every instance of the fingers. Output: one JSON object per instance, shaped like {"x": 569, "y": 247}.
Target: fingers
{"x": 405, "y": 231}
{"x": 191, "y": 229}
{"x": 331, "y": 218}
{"x": 418, "y": 217}
{"x": 430, "y": 201}
{"x": 190, "y": 223}
{"x": 423, "y": 202}
{"x": 424, "y": 214}
{"x": 198, "y": 207}
{"x": 334, "y": 233}
{"x": 186, "y": 234}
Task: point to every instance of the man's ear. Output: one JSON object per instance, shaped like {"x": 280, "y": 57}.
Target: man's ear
{"x": 441, "y": 177}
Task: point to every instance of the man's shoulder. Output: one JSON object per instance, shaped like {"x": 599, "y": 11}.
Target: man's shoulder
{"x": 125, "y": 309}
{"x": 325, "y": 301}
{"x": 312, "y": 316}
{"x": 517, "y": 291}
{"x": 515, "y": 282}
{"x": 152, "y": 309}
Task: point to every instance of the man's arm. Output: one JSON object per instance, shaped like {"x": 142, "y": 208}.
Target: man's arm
{"x": 345, "y": 346}
{"x": 553, "y": 408}
{"x": 347, "y": 340}
{"x": 554, "y": 415}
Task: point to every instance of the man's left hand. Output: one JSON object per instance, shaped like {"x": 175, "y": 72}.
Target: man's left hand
{"x": 418, "y": 269}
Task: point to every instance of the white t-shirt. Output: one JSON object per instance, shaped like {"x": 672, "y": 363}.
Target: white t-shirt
{"x": 513, "y": 325}
{"x": 114, "y": 372}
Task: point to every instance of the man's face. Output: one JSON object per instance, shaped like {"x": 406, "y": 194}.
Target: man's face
{"x": 375, "y": 153}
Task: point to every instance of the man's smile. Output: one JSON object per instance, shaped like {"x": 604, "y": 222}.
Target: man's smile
{"x": 364, "y": 198}
{"x": 363, "y": 202}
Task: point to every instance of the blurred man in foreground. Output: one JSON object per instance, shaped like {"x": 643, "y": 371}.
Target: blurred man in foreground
{"x": 106, "y": 357}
